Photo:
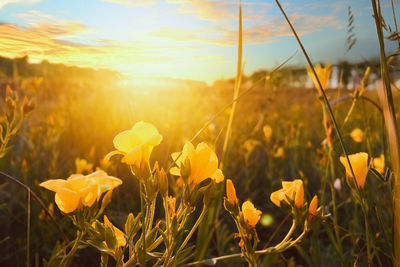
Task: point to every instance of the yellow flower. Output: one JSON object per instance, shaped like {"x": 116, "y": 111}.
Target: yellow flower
{"x": 231, "y": 192}
{"x": 312, "y": 209}
{"x": 118, "y": 233}
{"x": 379, "y": 163}
{"x": 322, "y": 73}
{"x": 203, "y": 163}
{"x": 250, "y": 213}
{"x": 290, "y": 191}
{"x": 279, "y": 153}
{"x": 267, "y": 132}
{"x": 357, "y": 135}
{"x": 359, "y": 162}
{"x": 136, "y": 144}
{"x": 83, "y": 166}
{"x": 79, "y": 190}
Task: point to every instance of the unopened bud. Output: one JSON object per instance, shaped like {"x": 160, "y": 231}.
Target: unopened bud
{"x": 163, "y": 183}
{"x": 106, "y": 200}
{"x": 27, "y": 106}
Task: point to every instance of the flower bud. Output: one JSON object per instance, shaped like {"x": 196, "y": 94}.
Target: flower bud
{"x": 106, "y": 200}
{"x": 163, "y": 183}
{"x": 231, "y": 193}
{"x": 27, "y": 106}
{"x": 312, "y": 209}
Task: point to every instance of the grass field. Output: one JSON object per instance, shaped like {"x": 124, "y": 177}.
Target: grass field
{"x": 220, "y": 200}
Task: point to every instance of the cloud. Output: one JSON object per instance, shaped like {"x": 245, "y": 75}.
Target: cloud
{"x": 46, "y": 41}
{"x": 6, "y": 2}
{"x": 34, "y": 16}
{"x": 253, "y": 34}
{"x": 129, "y": 3}
{"x": 222, "y": 10}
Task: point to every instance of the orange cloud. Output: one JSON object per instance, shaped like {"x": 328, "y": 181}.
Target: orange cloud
{"x": 222, "y": 10}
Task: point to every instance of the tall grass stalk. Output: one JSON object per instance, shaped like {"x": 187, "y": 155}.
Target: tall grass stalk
{"x": 38, "y": 200}
{"x": 211, "y": 216}
{"x": 28, "y": 230}
{"x": 386, "y": 98}
{"x": 337, "y": 129}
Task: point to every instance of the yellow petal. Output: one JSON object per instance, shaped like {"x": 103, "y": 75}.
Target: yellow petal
{"x": 312, "y": 209}
{"x": 357, "y": 135}
{"x": 54, "y": 185}
{"x": 76, "y": 182}
{"x": 134, "y": 156}
{"x": 67, "y": 200}
{"x": 113, "y": 153}
{"x": 276, "y": 197}
{"x": 125, "y": 141}
{"x": 298, "y": 202}
{"x": 217, "y": 176}
{"x": 250, "y": 213}
{"x": 175, "y": 171}
{"x": 267, "y": 132}
{"x": 379, "y": 163}
{"x": 89, "y": 194}
{"x": 231, "y": 192}
{"x": 204, "y": 163}
{"x": 359, "y": 162}
{"x": 104, "y": 181}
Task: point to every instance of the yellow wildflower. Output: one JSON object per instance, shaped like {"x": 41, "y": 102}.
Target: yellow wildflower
{"x": 203, "y": 163}
{"x": 79, "y": 190}
{"x": 83, "y": 166}
{"x": 231, "y": 192}
{"x": 118, "y": 233}
{"x": 322, "y": 73}
{"x": 357, "y": 135}
{"x": 359, "y": 163}
{"x": 379, "y": 163}
{"x": 290, "y": 191}
{"x": 279, "y": 153}
{"x": 250, "y": 213}
{"x": 267, "y": 132}
{"x": 136, "y": 144}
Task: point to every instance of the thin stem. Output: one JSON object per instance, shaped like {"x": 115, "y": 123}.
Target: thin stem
{"x": 38, "y": 200}
{"x": 386, "y": 98}
{"x": 288, "y": 235}
{"x": 395, "y": 20}
{"x": 142, "y": 208}
{"x": 334, "y": 208}
{"x": 277, "y": 248}
{"x": 197, "y": 223}
{"x": 323, "y": 94}
{"x": 28, "y": 231}
{"x": 151, "y": 217}
{"x": 367, "y": 236}
{"x": 73, "y": 250}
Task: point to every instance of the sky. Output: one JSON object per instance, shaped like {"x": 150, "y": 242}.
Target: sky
{"x": 185, "y": 39}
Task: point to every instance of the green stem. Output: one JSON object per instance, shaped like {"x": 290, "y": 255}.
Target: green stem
{"x": 275, "y": 249}
{"x": 142, "y": 208}
{"x": 151, "y": 217}
{"x": 73, "y": 250}
{"x": 367, "y": 234}
{"x": 323, "y": 94}
{"x": 334, "y": 208}
{"x": 197, "y": 223}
